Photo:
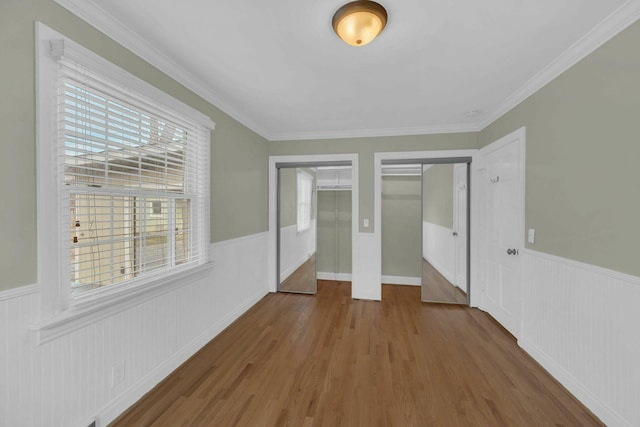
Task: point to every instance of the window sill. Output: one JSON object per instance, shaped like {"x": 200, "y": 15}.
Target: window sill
{"x": 93, "y": 308}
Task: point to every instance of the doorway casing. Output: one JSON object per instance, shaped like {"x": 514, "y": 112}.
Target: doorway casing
{"x": 379, "y": 157}
{"x": 273, "y": 227}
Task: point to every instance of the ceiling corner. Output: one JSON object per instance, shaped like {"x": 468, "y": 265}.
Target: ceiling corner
{"x": 91, "y": 12}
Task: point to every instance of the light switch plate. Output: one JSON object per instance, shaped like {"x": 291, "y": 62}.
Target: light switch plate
{"x": 365, "y": 222}
{"x": 531, "y": 236}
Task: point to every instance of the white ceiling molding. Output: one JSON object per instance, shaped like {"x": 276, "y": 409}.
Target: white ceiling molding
{"x": 364, "y": 133}
{"x": 614, "y": 24}
{"x": 96, "y": 16}
{"x": 91, "y": 12}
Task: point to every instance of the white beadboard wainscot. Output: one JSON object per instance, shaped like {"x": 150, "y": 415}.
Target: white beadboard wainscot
{"x": 438, "y": 247}
{"x": 68, "y": 381}
{"x": 581, "y": 323}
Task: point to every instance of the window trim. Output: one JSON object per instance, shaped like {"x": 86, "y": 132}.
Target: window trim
{"x": 59, "y": 313}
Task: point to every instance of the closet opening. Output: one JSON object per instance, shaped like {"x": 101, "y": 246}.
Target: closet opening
{"x": 425, "y": 225}
{"x": 314, "y": 226}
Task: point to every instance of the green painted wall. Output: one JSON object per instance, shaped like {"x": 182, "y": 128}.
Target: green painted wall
{"x": 239, "y": 156}
{"x": 437, "y": 195}
{"x": 365, "y": 147}
{"x": 583, "y": 149}
{"x": 334, "y": 232}
{"x": 401, "y": 226}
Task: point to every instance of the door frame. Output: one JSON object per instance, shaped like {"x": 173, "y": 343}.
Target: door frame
{"x": 518, "y": 135}
{"x": 473, "y": 251}
{"x": 272, "y": 249}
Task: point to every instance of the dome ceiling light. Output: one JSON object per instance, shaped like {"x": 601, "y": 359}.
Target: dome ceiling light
{"x": 359, "y": 22}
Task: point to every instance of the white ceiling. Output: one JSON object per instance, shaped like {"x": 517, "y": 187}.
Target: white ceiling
{"x": 278, "y": 67}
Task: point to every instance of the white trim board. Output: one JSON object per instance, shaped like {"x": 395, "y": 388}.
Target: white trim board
{"x": 338, "y": 277}
{"x": 92, "y": 13}
{"x": 372, "y": 133}
{"x": 19, "y": 292}
{"x": 402, "y": 280}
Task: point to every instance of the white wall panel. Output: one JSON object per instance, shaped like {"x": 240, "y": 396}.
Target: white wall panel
{"x": 368, "y": 251}
{"x": 581, "y": 323}
{"x": 66, "y": 381}
{"x": 438, "y": 247}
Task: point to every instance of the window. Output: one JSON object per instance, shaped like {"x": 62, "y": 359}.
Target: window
{"x": 124, "y": 178}
{"x": 304, "y": 192}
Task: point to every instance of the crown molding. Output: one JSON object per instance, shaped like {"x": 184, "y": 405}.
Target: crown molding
{"x": 612, "y": 25}
{"x": 103, "y": 21}
{"x": 92, "y": 13}
{"x": 372, "y": 133}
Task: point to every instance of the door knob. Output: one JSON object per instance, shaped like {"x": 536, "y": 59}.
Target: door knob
{"x": 512, "y": 252}
{"x": 455, "y": 233}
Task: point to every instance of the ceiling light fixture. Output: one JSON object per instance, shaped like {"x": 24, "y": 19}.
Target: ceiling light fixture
{"x": 359, "y": 22}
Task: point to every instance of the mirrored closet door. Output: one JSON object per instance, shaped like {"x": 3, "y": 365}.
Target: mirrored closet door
{"x": 297, "y": 201}
{"x": 445, "y": 233}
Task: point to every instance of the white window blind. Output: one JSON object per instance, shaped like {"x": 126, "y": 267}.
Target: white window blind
{"x": 133, "y": 179}
{"x": 304, "y": 193}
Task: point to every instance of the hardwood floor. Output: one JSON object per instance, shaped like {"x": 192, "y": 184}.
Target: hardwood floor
{"x": 436, "y": 288}
{"x": 303, "y": 279}
{"x": 328, "y": 360}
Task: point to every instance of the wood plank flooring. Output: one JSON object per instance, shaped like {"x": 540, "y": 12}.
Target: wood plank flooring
{"x": 436, "y": 287}
{"x": 328, "y": 360}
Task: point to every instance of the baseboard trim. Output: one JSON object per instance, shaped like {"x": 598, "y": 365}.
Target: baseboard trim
{"x": 402, "y": 280}
{"x": 368, "y": 294}
{"x": 339, "y": 277}
{"x": 582, "y": 393}
{"x": 113, "y": 409}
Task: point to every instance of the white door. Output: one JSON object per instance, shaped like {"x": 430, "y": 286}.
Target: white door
{"x": 460, "y": 224}
{"x": 503, "y": 219}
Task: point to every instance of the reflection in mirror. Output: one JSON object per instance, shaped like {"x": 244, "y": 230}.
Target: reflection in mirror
{"x": 297, "y": 221}
{"x": 400, "y": 224}
{"x": 444, "y": 233}
{"x": 333, "y": 259}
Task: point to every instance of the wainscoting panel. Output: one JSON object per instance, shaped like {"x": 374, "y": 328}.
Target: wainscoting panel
{"x": 581, "y": 323}
{"x": 438, "y": 247}
{"x": 100, "y": 370}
